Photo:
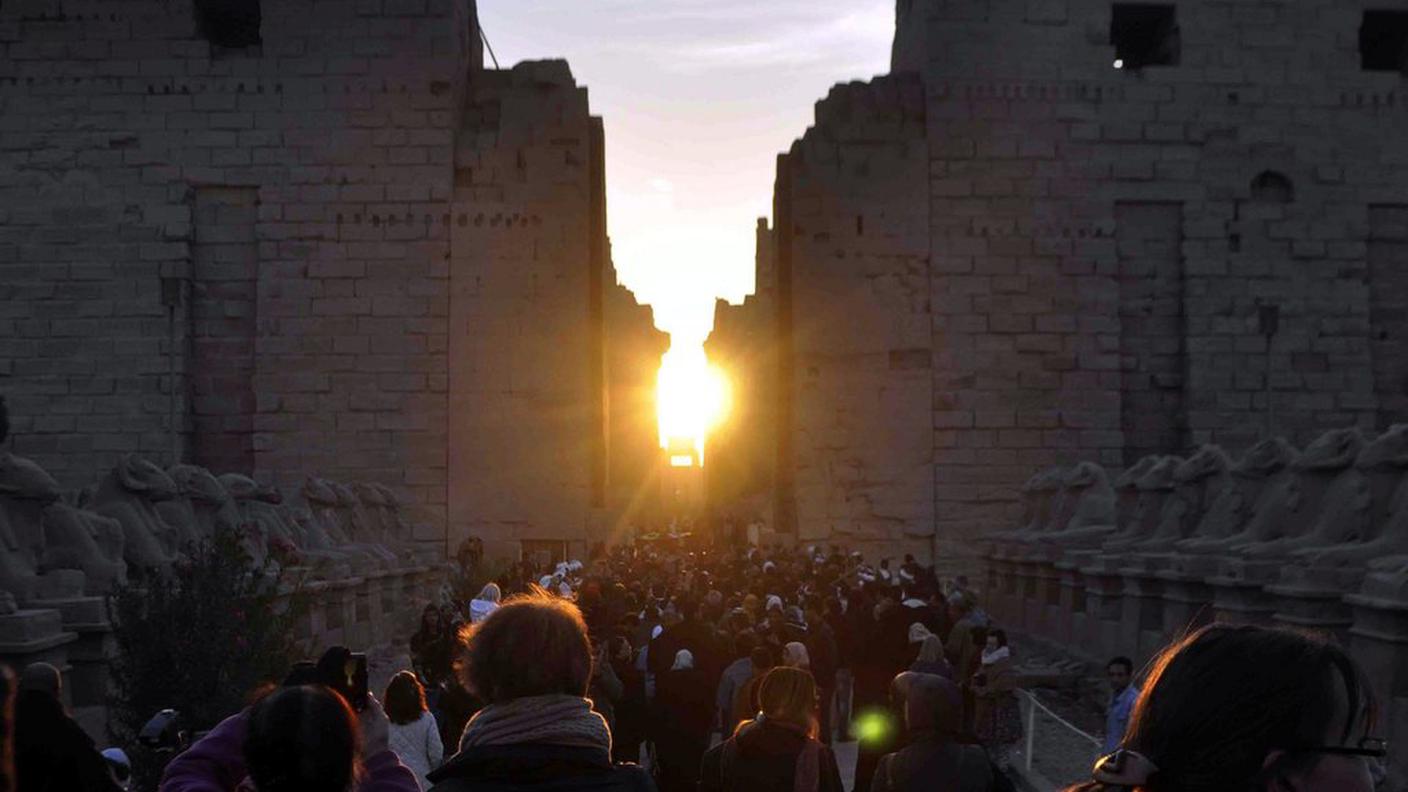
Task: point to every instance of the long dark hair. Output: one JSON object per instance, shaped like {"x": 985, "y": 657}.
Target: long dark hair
{"x": 302, "y": 739}
{"x": 1219, "y": 701}
{"x": 405, "y": 699}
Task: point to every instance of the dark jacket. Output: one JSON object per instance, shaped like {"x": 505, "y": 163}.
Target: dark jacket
{"x": 684, "y": 703}
{"x": 537, "y": 768}
{"x": 696, "y": 636}
{"x": 821, "y": 649}
{"x": 52, "y": 752}
{"x": 765, "y": 760}
{"x": 932, "y": 762}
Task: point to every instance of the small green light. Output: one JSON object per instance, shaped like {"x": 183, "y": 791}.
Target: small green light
{"x": 873, "y": 726}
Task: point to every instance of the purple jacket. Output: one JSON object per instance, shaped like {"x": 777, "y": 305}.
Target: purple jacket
{"x": 216, "y": 764}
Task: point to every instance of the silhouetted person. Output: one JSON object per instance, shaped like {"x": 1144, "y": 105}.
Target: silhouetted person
{"x": 934, "y": 758}
{"x": 530, "y": 662}
{"x": 7, "y": 719}
{"x": 777, "y": 751}
{"x": 52, "y": 752}
{"x": 684, "y": 717}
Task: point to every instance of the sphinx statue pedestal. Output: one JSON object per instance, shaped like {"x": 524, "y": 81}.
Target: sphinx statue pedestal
{"x": 1104, "y": 612}
{"x": 324, "y": 617}
{"x": 1239, "y": 591}
{"x": 1141, "y": 618}
{"x": 340, "y": 604}
{"x": 358, "y": 631}
{"x": 383, "y": 589}
{"x": 35, "y": 636}
{"x": 1379, "y": 641}
{"x": 1187, "y": 602}
{"x": 89, "y": 654}
{"x": 1043, "y": 611}
{"x": 1312, "y": 598}
{"x": 1033, "y": 575}
{"x": 1067, "y": 616}
{"x": 1006, "y": 597}
{"x": 1184, "y": 600}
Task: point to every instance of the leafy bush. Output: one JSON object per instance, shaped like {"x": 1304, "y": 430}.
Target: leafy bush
{"x": 199, "y": 641}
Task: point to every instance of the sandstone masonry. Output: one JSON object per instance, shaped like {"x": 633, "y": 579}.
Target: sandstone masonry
{"x": 1009, "y": 254}
{"x": 313, "y": 236}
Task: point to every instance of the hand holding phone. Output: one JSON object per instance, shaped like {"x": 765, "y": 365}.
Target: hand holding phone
{"x": 356, "y": 682}
{"x": 376, "y": 728}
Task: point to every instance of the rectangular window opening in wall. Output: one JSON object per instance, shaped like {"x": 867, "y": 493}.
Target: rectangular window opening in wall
{"x": 1144, "y": 34}
{"x": 232, "y": 24}
{"x": 1383, "y": 41}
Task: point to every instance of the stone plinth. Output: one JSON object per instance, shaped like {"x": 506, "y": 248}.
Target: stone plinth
{"x": 1142, "y": 623}
{"x": 35, "y": 636}
{"x": 1068, "y": 616}
{"x": 1239, "y": 592}
{"x": 1378, "y": 639}
{"x": 359, "y": 629}
{"x": 1187, "y": 601}
{"x": 1104, "y": 612}
{"x": 1046, "y": 616}
{"x": 1006, "y": 595}
{"x": 92, "y": 649}
{"x": 1029, "y": 609}
{"x": 1313, "y": 599}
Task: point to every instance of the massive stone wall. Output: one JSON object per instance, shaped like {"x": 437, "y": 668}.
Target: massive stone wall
{"x": 742, "y": 454}
{"x": 1108, "y": 249}
{"x": 296, "y": 227}
{"x": 856, "y": 245}
{"x": 633, "y": 349}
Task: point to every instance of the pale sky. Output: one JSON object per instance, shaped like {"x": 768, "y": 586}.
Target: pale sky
{"x": 698, "y": 98}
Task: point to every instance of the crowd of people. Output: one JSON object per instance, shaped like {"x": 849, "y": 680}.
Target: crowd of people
{"x": 649, "y": 669}
{"x": 737, "y": 669}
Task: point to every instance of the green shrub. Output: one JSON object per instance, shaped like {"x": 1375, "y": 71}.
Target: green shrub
{"x": 200, "y": 640}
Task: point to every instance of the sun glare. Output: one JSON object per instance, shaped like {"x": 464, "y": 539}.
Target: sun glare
{"x": 691, "y": 398}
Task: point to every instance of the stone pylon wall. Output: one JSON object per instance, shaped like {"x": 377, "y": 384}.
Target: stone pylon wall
{"x": 1107, "y": 237}
{"x": 855, "y": 249}
{"x": 296, "y": 234}
{"x": 1104, "y": 247}
{"x": 131, "y": 143}
{"x": 528, "y": 346}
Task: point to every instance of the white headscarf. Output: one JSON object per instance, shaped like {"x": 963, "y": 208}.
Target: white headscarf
{"x": 795, "y": 654}
{"x": 918, "y": 632}
{"x": 684, "y": 660}
{"x": 1000, "y": 653}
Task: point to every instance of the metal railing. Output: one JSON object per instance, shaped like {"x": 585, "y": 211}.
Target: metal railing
{"x": 1053, "y": 747}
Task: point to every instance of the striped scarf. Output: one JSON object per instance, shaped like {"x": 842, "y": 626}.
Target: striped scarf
{"x": 548, "y": 720}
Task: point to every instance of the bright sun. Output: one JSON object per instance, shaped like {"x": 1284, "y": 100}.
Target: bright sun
{"x": 691, "y": 398}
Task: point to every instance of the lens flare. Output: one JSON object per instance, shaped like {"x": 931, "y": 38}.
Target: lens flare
{"x": 873, "y": 726}
{"x": 691, "y": 398}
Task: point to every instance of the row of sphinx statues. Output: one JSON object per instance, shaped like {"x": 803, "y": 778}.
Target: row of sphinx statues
{"x": 1340, "y": 504}
{"x": 140, "y": 519}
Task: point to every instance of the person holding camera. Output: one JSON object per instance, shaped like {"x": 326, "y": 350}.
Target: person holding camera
{"x": 298, "y": 738}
